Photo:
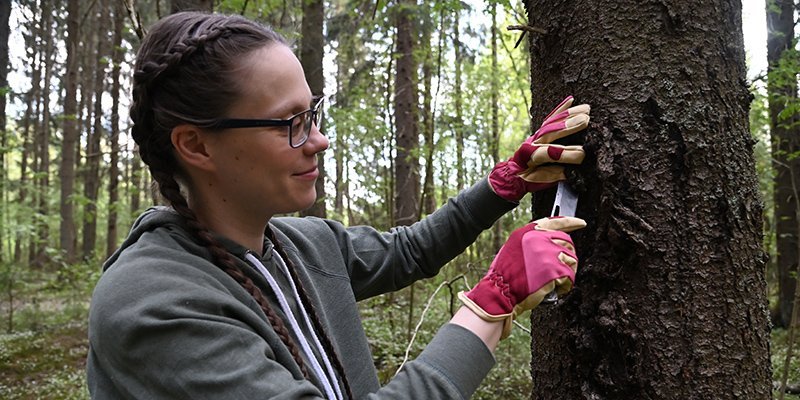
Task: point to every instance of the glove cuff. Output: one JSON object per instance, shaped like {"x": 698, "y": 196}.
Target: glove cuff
{"x": 501, "y": 180}
{"x": 482, "y": 314}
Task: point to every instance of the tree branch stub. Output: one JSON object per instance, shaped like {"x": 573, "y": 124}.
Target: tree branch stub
{"x": 525, "y": 29}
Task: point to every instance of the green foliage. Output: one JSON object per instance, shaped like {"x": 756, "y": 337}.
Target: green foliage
{"x": 44, "y": 356}
{"x": 511, "y": 378}
{"x": 385, "y": 322}
{"x": 762, "y": 150}
{"x": 35, "y": 298}
{"x": 784, "y": 74}
{"x": 779, "y": 342}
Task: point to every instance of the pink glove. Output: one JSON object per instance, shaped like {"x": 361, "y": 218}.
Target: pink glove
{"x": 536, "y": 259}
{"x": 534, "y": 165}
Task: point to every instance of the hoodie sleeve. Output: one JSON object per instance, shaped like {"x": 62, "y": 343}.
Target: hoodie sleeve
{"x": 381, "y": 262}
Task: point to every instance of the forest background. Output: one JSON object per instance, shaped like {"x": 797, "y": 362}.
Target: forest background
{"x": 71, "y": 183}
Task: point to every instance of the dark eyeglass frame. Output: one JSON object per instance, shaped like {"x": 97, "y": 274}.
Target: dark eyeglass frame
{"x": 312, "y": 116}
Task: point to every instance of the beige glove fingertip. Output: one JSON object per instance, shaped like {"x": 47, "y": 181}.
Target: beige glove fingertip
{"x": 563, "y": 224}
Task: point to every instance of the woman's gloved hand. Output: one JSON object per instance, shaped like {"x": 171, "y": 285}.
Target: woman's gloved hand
{"x": 535, "y": 165}
{"x": 536, "y": 259}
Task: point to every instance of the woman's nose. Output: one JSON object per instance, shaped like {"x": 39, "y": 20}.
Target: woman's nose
{"x": 316, "y": 140}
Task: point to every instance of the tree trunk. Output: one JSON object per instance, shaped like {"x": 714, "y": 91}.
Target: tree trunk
{"x": 191, "y": 5}
{"x": 93, "y": 152}
{"x": 40, "y": 256}
{"x": 785, "y": 141}
{"x": 66, "y": 170}
{"x": 135, "y": 185}
{"x": 85, "y": 109}
{"x": 343, "y": 61}
{"x": 458, "y": 124}
{"x": 670, "y": 297}
{"x": 5, "y": 13}
{"x": 118, "y": 56}
{"x": 406, "y": 163}
{"x": 27, "y": 153}
{"x": 428, "y": 204}
{"x": 498, "y": 237}
{"x": 311, "y": 51}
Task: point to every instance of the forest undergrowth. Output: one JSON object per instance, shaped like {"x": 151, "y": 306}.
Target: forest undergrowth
{"x": 44, "y": 342}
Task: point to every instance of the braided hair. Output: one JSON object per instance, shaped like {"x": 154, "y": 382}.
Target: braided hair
{"x": 184, "y": 73}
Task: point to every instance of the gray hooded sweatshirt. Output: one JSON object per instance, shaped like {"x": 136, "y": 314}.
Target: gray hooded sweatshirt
{"x": 167, "y": 323}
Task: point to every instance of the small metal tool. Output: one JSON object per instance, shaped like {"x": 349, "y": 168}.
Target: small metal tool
{"x": 565, "y": 205}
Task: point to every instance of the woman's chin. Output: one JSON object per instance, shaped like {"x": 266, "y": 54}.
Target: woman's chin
{"x": 309, "y": 202}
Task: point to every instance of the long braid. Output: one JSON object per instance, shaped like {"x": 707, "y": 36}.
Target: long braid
{"x": 304, "y": 297}
{"x": 156, "y": 153}
{"x": 171, "y": 192}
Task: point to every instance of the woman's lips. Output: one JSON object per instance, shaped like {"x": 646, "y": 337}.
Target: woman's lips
{"x": 312, "y": 173}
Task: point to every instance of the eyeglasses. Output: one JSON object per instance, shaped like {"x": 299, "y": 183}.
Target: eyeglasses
{"x": 299, "y": 124}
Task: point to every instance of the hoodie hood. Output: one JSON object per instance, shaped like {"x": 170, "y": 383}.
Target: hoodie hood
{"x": 162, "y": 217}
{"x": 152, "y": 218}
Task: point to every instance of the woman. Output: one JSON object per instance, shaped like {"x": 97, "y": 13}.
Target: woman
{"x": 214, "y": 298}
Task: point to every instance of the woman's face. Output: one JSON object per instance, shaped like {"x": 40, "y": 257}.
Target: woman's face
{"x": 257, "y": 169}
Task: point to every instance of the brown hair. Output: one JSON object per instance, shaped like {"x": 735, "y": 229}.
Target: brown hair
{"x": 184, "y": 73}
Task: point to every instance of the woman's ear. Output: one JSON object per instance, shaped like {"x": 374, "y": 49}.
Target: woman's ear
{"x": 190, "y": 146}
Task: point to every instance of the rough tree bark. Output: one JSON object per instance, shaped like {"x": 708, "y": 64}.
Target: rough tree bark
{"x": 406, "y": 163}
{"x": 670, "y": 299}
{"x": 785, "y": 141}
{"x": 312, "y": 49}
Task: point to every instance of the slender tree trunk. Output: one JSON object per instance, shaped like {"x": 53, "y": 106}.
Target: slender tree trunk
{"x": 5, "y": 13}
{"x": 458, "y": 124}
{"x": 35, "y": 163}
{"x": 389, "y": 175}
{"x": 113, "y": 169}
{"x": 343, "y": 62}
{"x": 311, "y": 51}
{"x": 135, "y": 185}
{"x": 670, "y": 297}
{"x": 43, "y": 183}
{"x": 85, "y": 110}
{"x": 18, "y": 250}
{"x": 70, "y": 142}
{"x": 352, "y": 71}
{"x": 785, "y": 138}
{"x": 93, "y": 151}
{"x": 27, "y": 151}
{"x": 498, "y": 238}
{"x": 428, "y": 203}
{"x": 406, "y": 163}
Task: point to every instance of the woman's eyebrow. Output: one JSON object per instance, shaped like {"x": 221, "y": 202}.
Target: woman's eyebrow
{"x": 289, "y": 107}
